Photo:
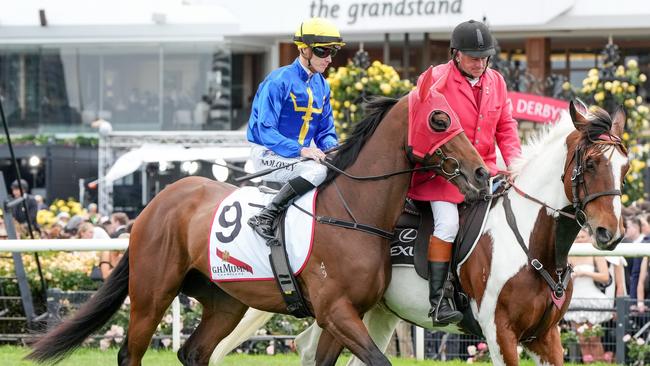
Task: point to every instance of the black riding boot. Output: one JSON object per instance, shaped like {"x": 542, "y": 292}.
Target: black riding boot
{"x": 263, "y": 222}
{"x": 443, "y": 310}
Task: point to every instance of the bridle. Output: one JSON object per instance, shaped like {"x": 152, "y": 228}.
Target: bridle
{"x": 578, "y": 179}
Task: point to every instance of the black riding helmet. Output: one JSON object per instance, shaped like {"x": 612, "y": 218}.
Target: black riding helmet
{"x": 473, "y": 39}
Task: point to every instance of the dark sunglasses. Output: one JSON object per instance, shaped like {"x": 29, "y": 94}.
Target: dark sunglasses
{"x": 323, "y": 52}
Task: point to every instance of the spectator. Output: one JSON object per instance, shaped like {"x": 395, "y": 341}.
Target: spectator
{"x": 633, "y": 235}
{"x": 89, "y": 231}
{"x": 119, "y": 220}
{"x": 40, "y": 204}
{"x": 18, "y": 211}
{"x": 93, "y": 214}
{"x": 588, "y": 270}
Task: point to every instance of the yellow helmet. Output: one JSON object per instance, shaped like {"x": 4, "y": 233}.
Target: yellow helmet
{"x": 317, "y": 32}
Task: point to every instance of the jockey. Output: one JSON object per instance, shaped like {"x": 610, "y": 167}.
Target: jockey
{"x": 478, "y": 95}
{"x": 291, "y": 108}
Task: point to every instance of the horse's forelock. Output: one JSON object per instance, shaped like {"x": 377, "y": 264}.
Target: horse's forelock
{"x": 600, "y": 123}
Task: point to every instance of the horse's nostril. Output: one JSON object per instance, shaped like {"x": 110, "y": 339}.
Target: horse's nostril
{"x": 482, "y": 174}
{"x": 603, "y": 235}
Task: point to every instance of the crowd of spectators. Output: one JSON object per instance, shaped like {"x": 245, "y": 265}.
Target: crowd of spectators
{"x": 85, "y": 224}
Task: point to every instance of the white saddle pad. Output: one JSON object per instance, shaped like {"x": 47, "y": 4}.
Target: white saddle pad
{"x": 238, "y": 253}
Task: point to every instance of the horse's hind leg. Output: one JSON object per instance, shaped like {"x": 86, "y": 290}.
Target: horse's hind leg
{"x": 147, "y": 308}
{"x": 547, "y": 350}
{"x": 221, "y": 314}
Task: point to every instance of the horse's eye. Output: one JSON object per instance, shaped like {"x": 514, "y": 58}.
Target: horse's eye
{"x": 590, "y": 165}
{"x": 439, "y": 121}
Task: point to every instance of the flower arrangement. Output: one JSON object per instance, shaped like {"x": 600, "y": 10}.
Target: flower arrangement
{"x": 638, "y": 351}
{"x": 478, "y": 353}
{"x": 619, "y": 85}
{"x": 45, "y": 218}
{"x": 352, "y": 83}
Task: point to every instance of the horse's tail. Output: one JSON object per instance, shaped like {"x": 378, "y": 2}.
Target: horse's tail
{"x": 68, "y": 336}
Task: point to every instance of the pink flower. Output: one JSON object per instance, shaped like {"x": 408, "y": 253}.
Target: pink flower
{"x": 482, "y": 346}
{"x": 270, "y": 350}
{"x": 640, "y": 341}
{"x": 587, "y": 358}
{"x": 166, "y": 342}
{"x": 470, "y": 360}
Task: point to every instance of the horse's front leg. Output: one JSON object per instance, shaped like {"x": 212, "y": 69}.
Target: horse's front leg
{"x": 381, "y": 324}
{"x": 342, "y": 321}
{"x": 547, "y": 350}
{"x": 502, "y": 341}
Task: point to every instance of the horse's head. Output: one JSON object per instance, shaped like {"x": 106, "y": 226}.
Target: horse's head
{"x": 593, "y": 176}
{"x": 437, "y": 139}
{"x": 457, "y": 160}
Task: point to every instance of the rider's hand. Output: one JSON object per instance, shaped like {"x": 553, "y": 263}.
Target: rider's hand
{"x": 313, "y": 153}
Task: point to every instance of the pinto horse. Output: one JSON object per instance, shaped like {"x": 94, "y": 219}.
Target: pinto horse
{"x": 579, "y": 165}
{"x": 345, "y": 275}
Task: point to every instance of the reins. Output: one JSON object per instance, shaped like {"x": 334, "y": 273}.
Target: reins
{"x": 354, "y": 224}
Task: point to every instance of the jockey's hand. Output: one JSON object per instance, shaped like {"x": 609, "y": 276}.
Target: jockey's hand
{"x": 313, "y": 153}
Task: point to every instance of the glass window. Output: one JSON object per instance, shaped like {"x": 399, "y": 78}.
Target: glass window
{"x": 130, "y": 78}
{"x": 186, "y": 101}
{"x": 558, "y": 61}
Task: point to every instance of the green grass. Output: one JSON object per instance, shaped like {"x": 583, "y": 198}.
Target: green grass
{"x": 12, "y": 356}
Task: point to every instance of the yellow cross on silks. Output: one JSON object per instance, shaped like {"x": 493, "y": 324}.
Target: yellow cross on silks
{"x": 307, "y": 117}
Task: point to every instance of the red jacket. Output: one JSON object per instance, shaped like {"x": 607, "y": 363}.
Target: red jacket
{"x": 484, "y": 125}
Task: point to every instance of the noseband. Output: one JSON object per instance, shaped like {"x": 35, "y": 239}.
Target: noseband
{"x": 578, "y": 179}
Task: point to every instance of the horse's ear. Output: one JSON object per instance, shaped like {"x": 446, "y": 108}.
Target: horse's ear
{"x": 577, "y": 110}
{"x": 618, "y": 121}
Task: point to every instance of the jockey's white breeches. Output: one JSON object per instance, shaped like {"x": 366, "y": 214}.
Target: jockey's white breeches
{"x": 310, "y": 170}
{"x": 445, "y": 220}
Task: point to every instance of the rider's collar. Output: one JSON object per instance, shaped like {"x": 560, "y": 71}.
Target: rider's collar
{"x": 305, "y": 73}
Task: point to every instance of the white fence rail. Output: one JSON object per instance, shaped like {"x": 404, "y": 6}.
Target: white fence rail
{"x": 42, "y": 245}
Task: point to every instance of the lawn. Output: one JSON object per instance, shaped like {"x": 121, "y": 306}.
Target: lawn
{"x": 12, "y": 356}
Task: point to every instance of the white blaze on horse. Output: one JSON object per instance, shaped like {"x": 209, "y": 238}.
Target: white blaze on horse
{"x": 517, "y": 287}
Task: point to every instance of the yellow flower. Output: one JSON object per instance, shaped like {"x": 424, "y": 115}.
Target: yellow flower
{"x": 376, "y": 63}
{"x": 632, "y": 64}
{"x": 353, "y": 108}
{"x": 385, "y": 88}
{"x": 629, "y": 178}
{"x": 629, "y": 103}
{"x": 593, "y": 72}
{"x": 364, "y": 80}
{"x": 346, "y": 104}
{"x": 626, "y": 136}
{"x": 608, "y": 85}
{"x": 642, "y": 78}
{"x": 620, "y": 71}
{"x": 60, "y": 203}
{"x": 639, "y": 100}
{"x": 358, "y": 85}
{"x": 625, "y": 198}
{"x": 566, "y": 85}
{"x": 631, "y": 89}
{"x": 599, "y": 97}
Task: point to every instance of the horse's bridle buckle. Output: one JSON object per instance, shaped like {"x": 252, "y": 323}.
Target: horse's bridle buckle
{"x": 536, "y": 264}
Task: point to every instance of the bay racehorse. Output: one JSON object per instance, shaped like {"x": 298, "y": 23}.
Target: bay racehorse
{"x": 345, "y": 275}
{"x": 580, "y": 165}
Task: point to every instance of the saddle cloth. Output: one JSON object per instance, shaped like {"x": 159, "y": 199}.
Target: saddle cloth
{"x": 237, "y": 253}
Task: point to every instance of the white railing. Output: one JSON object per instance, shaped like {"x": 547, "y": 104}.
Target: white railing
{"x": 43, "y": 245}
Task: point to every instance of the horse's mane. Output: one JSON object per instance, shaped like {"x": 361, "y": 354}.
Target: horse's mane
{"x": 375, "y": 109}
{"x": 600, "y": 122}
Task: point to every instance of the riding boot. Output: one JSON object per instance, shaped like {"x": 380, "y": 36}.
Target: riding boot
{"x": 441, "y": 291}
{"x": 263, "y": 223}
